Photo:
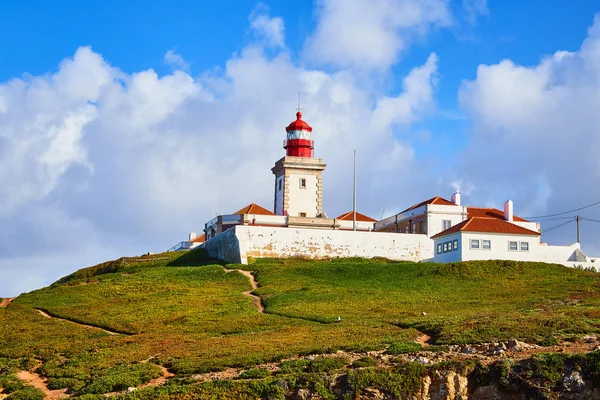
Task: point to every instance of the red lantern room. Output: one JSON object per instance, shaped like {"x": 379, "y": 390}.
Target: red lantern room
{"x": 299, "y": 142}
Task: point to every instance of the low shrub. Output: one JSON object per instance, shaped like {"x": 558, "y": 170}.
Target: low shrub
{"x": 548, "y": 341}
{"x": 326, "y": 364}
{"x": 254, "y": 373}
{"x": 65, "y": 383}
{"x": 122, "y": 377}
{"x": 404, "y": 347}
{"x": 27, "y": 393}
{"x": 403, "y": 381}
{"x": 293, "y": 366}
{"x": 364, "y": 362}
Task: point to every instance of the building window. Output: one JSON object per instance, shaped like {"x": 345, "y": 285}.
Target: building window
{"x": 414, "y": 226}
{"x": 455, "y": 244}
{"x": 302, "y": 183}
{"x": 486, "y": 244}
{"x": 280, "y": 183}
{"x": 524, "y": 246}
{"x": 446, "y": 224}
{"x": 406, "y": 230}
{"x": 302, "y": 214}
{"x": 439, "y": 248}
{"x": 422, "y": 229}
{"x": 513, "y": 246}
{"x": 475, "y": 244}
{"x": 445, "y": 247}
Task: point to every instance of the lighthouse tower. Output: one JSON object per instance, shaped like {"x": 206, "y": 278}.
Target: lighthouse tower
{"x": 298, "y": 182}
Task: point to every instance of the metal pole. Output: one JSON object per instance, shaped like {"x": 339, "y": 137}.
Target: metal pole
{"x": 354, "y": 201}
{"x": 578, "y": 230}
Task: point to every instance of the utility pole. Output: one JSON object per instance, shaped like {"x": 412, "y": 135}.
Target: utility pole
{"x": 354, "y": 200}
{"x": 578, "y": 229}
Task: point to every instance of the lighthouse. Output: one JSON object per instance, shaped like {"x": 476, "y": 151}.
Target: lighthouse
{"x": 298, "y": 175}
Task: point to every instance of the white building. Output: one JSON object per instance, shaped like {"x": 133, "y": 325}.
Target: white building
{"x": 489, "y": 238}
{"x": 479, "y": 238}
{"x": 192, "y": 242}
{"x": 435, "y": 229}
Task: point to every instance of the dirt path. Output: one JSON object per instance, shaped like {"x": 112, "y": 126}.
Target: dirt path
{"x": 33, "y": 379}
{"x": 257, "y": 300}
{"x": 160, "y": 380}
{"x": 423, "y": 339}
{"x": 46, "y": 315}
{"x": 6, "y": 302}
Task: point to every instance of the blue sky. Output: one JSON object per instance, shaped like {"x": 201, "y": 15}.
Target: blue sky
{"x": 131, "y": 123}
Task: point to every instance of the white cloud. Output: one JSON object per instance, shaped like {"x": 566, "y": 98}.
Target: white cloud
{"x": 537, "y": 132}
{"x": 176, "y": 60}
{"x": 369, "y": 34}
{"x": 472, "y": 9}
{"x": 271, "y": 30}
{"x": 416, "y": 98}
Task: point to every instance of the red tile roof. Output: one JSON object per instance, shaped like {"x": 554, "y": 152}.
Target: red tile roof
{"x": 487, "y": 225}
{"x": 199, "y": 239}
{"x": 254, "y": 209}
{"x": 434, "y": 200}
{"x": 359, "y": 217}
{"x": 483, "y": 212}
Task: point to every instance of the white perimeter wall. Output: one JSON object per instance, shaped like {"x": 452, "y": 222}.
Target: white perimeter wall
{"x": 360, "y": 225}
{"x": 236, "y": 245}
{"x": 302, "y": 199}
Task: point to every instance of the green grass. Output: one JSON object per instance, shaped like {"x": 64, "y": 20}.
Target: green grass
{"x": 193, "y": 317}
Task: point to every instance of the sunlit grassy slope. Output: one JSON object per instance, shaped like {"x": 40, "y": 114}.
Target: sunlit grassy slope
{"x": 195, "y": 318}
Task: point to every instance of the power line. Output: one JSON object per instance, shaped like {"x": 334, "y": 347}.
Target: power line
{"x": 566, "y": 212}
{"x": 557, "y": 218}
{"x": 589, "y": 219}
{"x": 557, "y": 226}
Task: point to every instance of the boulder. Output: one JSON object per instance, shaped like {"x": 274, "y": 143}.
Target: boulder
{"x": 573, "y": 383}
{"x": 514, "y": 345}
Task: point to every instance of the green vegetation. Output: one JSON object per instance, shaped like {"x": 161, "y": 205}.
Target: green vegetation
{"x": 255, "y": 373}
{"x": 189, "y": 315}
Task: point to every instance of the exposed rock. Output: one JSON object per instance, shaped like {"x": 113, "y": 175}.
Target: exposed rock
{"x": 448, "y": 386}
{"x": 372, "y": 394}
{"x": 589, "y": 339}
{"x": 573, "y": 383}
{"x": 425, "y": 388}
{"x": 303, "y": 394}
{"x": 466, "y": 349}
{"x": 423, "y": 360}
{"x": 489, "y": 393}
{"x": 514, "y": 345}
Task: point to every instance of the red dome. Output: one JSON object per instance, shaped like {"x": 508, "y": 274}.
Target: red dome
{"x": 298, "y": 124}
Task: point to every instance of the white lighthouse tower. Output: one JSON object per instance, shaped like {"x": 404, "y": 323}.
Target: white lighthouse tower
{"x": 298, "y": 181}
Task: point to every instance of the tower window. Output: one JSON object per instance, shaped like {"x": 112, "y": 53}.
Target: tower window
{"x": 303, "y": 183}
{"x": 302, "y": 214}
{"x": 280, "y": 184}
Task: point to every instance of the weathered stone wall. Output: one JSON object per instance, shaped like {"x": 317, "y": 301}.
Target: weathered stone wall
{"x": 224, "y": 246}
{"x": 242, "y": 242}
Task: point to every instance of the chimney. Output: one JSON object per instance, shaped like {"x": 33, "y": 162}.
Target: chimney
{"x": 508, "y": 210}
{"x": 456, "y": 198}
{"x": 192, "y": 236}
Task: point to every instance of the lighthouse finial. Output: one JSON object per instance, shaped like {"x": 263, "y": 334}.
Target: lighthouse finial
{"x": 299, "y": 108}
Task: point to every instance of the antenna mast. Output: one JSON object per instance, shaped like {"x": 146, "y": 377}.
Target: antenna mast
{"x": 354, "y": 201}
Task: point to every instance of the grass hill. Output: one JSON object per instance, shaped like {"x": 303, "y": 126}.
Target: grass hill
{"x": 121, "y": 323}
